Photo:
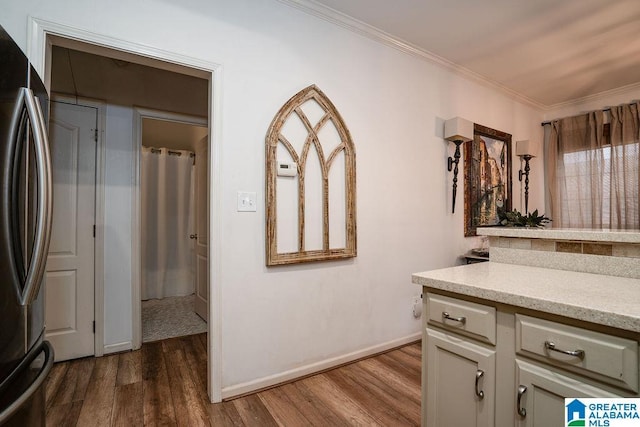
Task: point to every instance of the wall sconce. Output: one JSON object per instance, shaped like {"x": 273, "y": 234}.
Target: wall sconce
{"x": 456, "y": 130}
{"x": 524, "y": 150}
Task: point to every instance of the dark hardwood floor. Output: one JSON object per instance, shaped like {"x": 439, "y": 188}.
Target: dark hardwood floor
{"x": 164, "y": 384}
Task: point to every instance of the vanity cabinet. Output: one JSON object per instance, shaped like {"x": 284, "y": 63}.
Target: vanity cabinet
{"x": 491, "y": 364}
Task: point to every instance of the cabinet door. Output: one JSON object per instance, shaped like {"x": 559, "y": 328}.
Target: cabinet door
{"x": 460, "y": 382}
{"x": 545, "y": 392}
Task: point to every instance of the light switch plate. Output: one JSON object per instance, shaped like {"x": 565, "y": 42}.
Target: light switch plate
{"x": 247, "y": 201}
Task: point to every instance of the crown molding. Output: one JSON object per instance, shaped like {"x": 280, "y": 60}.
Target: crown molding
{"x": 333, "y": 16}
{"x": 594, "y": 97}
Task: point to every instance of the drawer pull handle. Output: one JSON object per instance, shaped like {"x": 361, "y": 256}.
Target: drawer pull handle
{"x": 479, "y": 374}
{"x": 447, "y": 316}
{"x": 521, "y": 391}
{"x": 549, "y": 345}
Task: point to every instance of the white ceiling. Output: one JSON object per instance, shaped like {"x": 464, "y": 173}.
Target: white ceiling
{"x": 546, "y": 52}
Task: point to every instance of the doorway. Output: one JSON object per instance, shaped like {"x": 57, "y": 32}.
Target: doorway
{"x": 44, "y": 36}
{"x": 170, "y": 197}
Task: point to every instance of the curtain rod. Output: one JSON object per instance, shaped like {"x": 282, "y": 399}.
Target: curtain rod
{"x": 549, "y": 122}
{"x": 170, "y": 152}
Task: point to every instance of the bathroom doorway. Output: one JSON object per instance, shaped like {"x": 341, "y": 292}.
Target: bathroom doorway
{"x": 169, "y": 200}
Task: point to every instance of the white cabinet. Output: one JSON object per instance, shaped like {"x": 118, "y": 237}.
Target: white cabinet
{"x": 491, "y": 364}
{"x": 460, "y": 377}
{"x": 460, "y": 382}
{"x": 541, "y": 392}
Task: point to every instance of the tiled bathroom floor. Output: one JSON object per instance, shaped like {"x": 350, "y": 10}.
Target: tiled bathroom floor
{"x": 170, "y": 317}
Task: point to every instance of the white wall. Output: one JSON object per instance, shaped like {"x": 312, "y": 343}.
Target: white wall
{"x": 118, "y": 226}
{"x": 278, "y": 319}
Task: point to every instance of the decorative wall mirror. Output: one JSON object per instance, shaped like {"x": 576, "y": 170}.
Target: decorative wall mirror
{"x": 487, "y": 177}
{"x": 310, "y": 183}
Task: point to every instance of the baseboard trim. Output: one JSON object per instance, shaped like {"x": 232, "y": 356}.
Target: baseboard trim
{"x": 118, "y": 347}
{"x": 314, "y": 368}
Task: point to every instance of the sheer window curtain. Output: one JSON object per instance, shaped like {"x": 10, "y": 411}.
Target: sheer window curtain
{"x": 592, "y": 170}
{"x": 166, "y": 204}
{"x": 625, "y": 166}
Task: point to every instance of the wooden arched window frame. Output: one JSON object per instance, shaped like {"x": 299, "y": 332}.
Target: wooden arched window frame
{"x": 312, "y": 141}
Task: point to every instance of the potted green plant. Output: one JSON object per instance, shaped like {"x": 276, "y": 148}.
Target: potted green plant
{"x": 516, "y": 219}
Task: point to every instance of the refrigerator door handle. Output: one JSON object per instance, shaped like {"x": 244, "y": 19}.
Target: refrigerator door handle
{"x": 37, "y": 382}
{"x": 38, "y": 263}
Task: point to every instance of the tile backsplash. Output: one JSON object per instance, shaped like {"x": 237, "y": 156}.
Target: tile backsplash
{"x": 612, "y": 258}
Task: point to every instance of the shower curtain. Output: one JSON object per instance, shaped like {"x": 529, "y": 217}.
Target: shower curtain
{"x": 167, "y": 196}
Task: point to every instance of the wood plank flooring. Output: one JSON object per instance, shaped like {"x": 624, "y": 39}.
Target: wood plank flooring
{"x": 164, "y": 384}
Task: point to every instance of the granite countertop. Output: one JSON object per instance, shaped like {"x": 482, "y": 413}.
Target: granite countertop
{"x": 617, "y": 236}
{"x": 605, "y": 300}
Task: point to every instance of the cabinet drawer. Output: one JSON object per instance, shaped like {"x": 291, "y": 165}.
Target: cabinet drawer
{"x": 468, "y": 318}
{"x": 606, "y": 358}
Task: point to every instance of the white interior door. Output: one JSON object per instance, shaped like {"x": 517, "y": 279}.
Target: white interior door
{"x": 69, "y": 311}
{"x": 202, "y": 228}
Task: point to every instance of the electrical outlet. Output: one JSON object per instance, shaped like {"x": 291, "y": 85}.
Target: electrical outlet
{"x": 417, "y": 306}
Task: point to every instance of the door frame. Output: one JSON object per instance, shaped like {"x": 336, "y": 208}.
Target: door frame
{"x": 98, "y": 242}
{"x": 140, "y": 113}
{"x": 42, "y": 35}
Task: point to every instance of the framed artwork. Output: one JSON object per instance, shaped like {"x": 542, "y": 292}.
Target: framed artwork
{"x": 310, "y": 182}
{"x": 487, "y": 177}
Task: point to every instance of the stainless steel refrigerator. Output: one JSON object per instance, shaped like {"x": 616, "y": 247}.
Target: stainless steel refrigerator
{"x": 25, "y": 229}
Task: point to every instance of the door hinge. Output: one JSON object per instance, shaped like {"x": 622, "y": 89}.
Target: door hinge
{"x": 94, "y": 326}
{"x": 94, "y": 230}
